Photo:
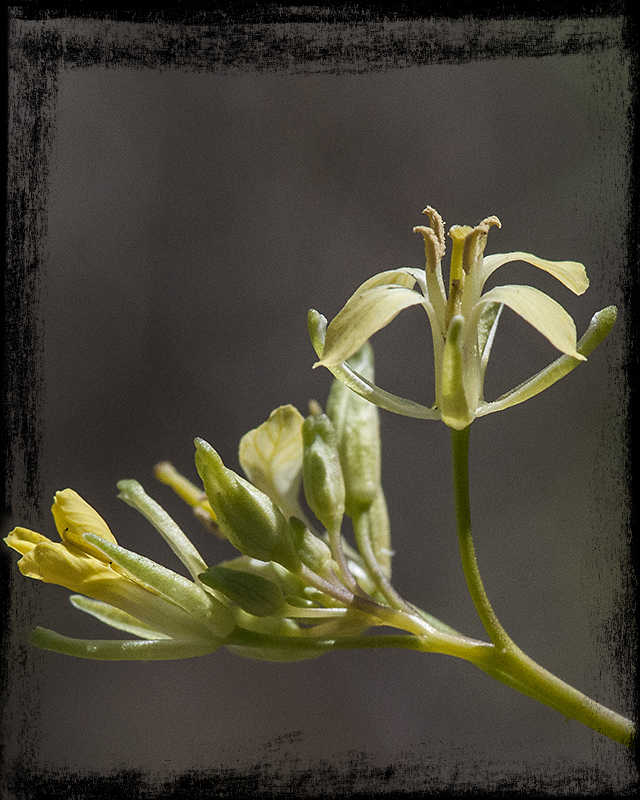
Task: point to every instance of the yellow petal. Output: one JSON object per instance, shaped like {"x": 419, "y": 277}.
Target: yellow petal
{"x": 541, "y": 311}
{"x": 75, "y": 517}
{"x": 54, "y": 562}
{"x": 23, "y": 540}
{"x": 363, "y": 315}
{"x": 571, "y": 273}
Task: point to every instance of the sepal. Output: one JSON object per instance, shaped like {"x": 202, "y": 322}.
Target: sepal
{"x": 253, "y": 593}
{"x": 453, "y": 403}
{"x": 123, "y": 650}
{"x": 599, "y": 328}
{"x": 311, "y": 550}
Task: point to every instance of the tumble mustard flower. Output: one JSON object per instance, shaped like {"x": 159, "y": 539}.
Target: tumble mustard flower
{"x": 463, "y": 323}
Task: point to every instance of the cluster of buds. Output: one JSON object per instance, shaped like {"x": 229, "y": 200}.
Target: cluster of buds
{"x": 296, "y": 589}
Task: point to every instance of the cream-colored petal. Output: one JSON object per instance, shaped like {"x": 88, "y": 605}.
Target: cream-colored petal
{"x": 361, "y": 317}
{"x": 271, "y": 457}
{"x": 317, "y": 324}
{"x": 571, "y": 273}
{"x": 404, "y": 276}
{"x": 540, "y": 311}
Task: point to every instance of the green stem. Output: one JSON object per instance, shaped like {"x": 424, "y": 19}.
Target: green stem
{"x": 362, "y": 531}
{"x": 460, "y": 458}
{"x": 506, "y": 662}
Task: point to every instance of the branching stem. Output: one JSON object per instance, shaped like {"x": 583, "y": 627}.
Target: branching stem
{"x": 506, "y": 662}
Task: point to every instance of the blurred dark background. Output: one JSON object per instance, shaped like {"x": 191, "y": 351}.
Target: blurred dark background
{"x": 193, "y": 218}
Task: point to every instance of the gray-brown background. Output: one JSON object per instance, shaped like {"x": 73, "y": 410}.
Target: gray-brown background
{"x": 193, "y": 218}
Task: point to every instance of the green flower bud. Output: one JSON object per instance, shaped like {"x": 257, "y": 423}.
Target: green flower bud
{"x": 248, "y": 518}
{"x": 357, "y": 427}
{"x": 321, "y": 470}
{"x": 311, "y": 550}
{"x": 254, "y": 594}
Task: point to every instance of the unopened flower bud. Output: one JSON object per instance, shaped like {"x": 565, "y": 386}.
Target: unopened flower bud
{"x": 247, "y": 517}
{"x": 321, "y": 470}
{"x": 357, "y": 427}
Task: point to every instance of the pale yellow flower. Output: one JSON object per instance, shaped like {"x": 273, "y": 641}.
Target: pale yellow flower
{"x": 463, "y": 323}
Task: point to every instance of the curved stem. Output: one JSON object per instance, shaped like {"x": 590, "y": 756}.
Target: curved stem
{"x": 460, "y": 459}
{"x": 344, "y": 573}
{"x": 362, "y": 531}
{"x": 506, "y": 662}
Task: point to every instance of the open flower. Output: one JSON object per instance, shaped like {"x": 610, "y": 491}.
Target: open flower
{"x": 463, "y": 323}
{"x": 172, "y": 616}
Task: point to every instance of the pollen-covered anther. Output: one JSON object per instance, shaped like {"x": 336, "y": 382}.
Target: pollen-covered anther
{"x": 476, "y": 241}
{"x": 438, "y": 226}
{"x": 434, "y": 248}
